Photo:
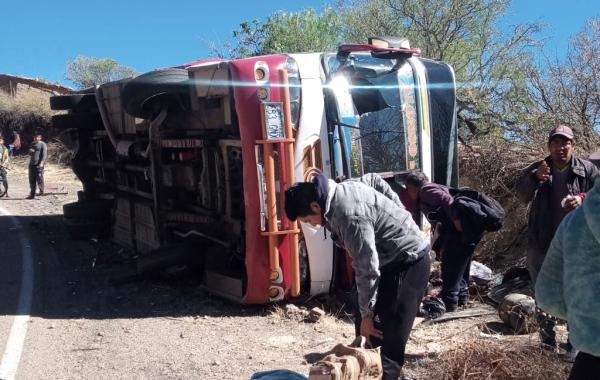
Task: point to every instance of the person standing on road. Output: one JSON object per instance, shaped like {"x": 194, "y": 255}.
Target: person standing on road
{"x": 38, "y": 152}
{"x": 555, "y": 185}
{"x": 15, "y": 145}
{"x": 571, "y": 268}
{"x": 3, "y": 164}
{"x": 456, "y": 245}
{"x": 390, "y": 255}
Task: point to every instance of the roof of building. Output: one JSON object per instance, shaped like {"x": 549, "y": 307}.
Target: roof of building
{"x": 6, "y": 81}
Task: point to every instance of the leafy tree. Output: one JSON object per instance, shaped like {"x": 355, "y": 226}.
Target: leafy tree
{"x": 568, "y": 90}
{"x": 487, "y": 60}
{"x": 304, "y": 31}
{"x": 90, "y": 71}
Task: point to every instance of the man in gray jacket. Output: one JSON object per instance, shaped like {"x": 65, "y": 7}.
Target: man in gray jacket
{"x": 38, "y": 152}
{"x": 390, "y": 255}
{"x": 555, "y": 185}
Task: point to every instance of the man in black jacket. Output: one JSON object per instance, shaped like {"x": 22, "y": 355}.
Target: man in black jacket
{"x": 555, "y": 185}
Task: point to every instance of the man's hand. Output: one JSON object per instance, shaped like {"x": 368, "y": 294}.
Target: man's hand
{"x": 457, "y": 225}
{"x": 571, "y": 202}
{"x": 41, "y": 164}
{"x": 367, "y": 329}
{"x": 543, "y": 172}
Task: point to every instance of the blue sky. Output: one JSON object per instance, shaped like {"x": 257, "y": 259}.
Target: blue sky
{"x": 39, "y": 37}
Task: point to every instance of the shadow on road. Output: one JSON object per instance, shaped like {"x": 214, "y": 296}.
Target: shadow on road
{"x": 74, "y": 279}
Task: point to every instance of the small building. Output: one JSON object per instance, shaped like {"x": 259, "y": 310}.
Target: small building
{"x": 12, "y": 85}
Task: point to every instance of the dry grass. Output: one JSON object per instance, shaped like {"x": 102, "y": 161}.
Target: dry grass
{"x": 485, "y": 359}
{"x": 26, "y": 102}
{"x": 59, "y": 152}
{"x": 27, "y": 112}
{"x": 493, "y": 167}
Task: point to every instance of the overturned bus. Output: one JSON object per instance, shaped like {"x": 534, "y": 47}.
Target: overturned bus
{"x": 196, "y": 158}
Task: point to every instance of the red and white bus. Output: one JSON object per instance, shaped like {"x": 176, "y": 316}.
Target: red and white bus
{"x": 194, "y": 160}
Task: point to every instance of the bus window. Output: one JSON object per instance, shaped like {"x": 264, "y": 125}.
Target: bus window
{"x": 383, "y": 98}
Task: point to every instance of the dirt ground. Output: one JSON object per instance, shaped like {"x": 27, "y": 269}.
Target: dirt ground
{"x": 85, "y": 326}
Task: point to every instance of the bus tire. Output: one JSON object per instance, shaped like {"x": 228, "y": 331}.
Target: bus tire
{"x": 143, "y": 95}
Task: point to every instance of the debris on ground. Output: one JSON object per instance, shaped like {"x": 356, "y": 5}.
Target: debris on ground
{"x": 433, "y": 308}
{"x": 518, "y": 312}
{"x": 315, "y": 314}
{"x": 467, "y": 313}
{"x": 514, "y": 280}
{"x": 480, "y": 273}
{"x": 351, "y": 362}
{"x": 291, "y": 309}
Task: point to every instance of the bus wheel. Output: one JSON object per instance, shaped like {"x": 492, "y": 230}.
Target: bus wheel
{"x": 145, "y": 95}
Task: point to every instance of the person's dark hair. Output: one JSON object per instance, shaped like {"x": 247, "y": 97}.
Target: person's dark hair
{"x": 298, "y": 198}
{"x": 416, "y": 179}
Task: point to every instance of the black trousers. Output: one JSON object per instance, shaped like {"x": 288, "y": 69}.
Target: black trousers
{"x": 399, "y": 295}
{"x": 456, "y": 268}
{"x": 4, "y": 178}
{"x": 586, "y": 367}
{"x": 36, "y": 177}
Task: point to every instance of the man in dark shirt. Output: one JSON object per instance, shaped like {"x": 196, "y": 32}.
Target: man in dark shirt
{"x": 555, "y": 186}
{"x": 38, "y": 152}
{"x": 435, "y": 202}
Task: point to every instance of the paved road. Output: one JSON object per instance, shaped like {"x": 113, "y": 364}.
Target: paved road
{"x": 16, "y": 292}
{"x": 24, "y": 252}
{"x": 82, "y": 326}
{"x": 79, "y": 325}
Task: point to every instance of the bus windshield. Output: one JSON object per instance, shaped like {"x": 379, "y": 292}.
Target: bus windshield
{"x": 383, "y": 95}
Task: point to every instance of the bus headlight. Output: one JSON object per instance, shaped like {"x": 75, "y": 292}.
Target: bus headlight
{"x": 263, "y": 93}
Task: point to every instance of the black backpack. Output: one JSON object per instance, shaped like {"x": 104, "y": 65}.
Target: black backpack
{"x": 483, "y": 210}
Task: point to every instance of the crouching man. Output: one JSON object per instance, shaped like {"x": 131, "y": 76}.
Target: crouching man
{"x": 390, "y": 256}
